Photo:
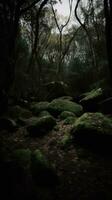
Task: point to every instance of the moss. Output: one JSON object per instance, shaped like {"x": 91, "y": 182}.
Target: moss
{"x": 44, "y": 113}
{"x": 40, "y": 126}
{"x": 94, "y": 121}
{"x": 42, "y": 171}
{"x": 38, "y": 160}
{"x": 65, "y": 141}
{"x": 58, "y": 105}
{"x": 70, "y": 120}
{"x": 22, "y": 157}
{"x": 92, "y": 94}
{"x": 38, "y": 107}
{"x": 66, "y": 114}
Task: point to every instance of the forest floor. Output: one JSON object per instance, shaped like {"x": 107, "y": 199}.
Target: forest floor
{"x": 83, "y": 174}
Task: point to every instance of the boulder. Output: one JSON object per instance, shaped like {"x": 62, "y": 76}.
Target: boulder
{"x": 44, "y": 113}
{"x": 66, "y": 114}
{"x": 22, "y": 157}
{"x": 57, "y": 106}
{"x": 93, "y": 129}
{"x": 91, "y": 99}
{"x": 42, "y": 171}
{"x": 69, "y": 120}
{"x": 39, "y": 126}
{"x": 38, "y": 107}
{"x": 65, "y": 141}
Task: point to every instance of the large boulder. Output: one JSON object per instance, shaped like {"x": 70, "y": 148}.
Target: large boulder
{"x": 59, "y": 105}
{"x": 91, "y": 99}
{"x": 93, "y": 129}
{"x": 38, "y": 107}
{"x": 22, "y": 157}
{"x": 37, "y": 126}
{"x": 36, "y": 165}
{"x": 42, "y": 171}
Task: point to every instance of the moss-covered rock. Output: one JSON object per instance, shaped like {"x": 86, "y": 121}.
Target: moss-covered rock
{"x": 42, "y": 171}
{"x": 44, "y": 113}
{"x": 66, "y": 114}
{"x": 65, "y": 141}
{"x": 91, "y": 99}
{"x": 22, "y": 157}
{"x": 39, "y": 106}
{"x": 92, "y": 94}
{"x": 59, "y": 105}
{"x": 93, "y": 128}
{"x": 70, "y": 120}
{"x": 39, "y": 161}
{"x": 39, "y": 126}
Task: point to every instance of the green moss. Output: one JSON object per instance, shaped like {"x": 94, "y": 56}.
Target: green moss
{"x": 70, "y": 120}
{"x": 65, "y": 141}
{"x": 38, "y": 160}
{"x": 42, "y": 171}
{"x": 58, "y": 105}
{"x": 92, "y": 94}
{"x": 40, "y": 106}
{"x": 44, "y": 113}
{"x": 66, "y": 114}
{"x": 95, "y": 122}
{"x": 41, "y": 125}
{"x": 22, "y": 157}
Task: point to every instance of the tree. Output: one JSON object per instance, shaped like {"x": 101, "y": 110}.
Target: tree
{"x": 10, "y": 14}
{"x": 61, "y": 29}
{"x": 108, "y": 31}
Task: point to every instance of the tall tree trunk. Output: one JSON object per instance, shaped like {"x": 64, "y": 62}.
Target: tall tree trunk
{"x": 9, "y": 21}
{"x": 108, "y": 32}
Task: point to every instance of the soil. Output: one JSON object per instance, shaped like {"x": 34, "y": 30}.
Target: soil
{"x": 83, "y": 174}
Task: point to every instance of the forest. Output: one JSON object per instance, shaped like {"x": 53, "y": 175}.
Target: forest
{"x": 56, "y": 99}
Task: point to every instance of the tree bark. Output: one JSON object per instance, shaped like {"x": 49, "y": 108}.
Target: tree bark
{"x": 108, "y": 32}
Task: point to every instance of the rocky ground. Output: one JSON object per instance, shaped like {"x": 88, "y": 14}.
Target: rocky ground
{"x": 78, "y": 171}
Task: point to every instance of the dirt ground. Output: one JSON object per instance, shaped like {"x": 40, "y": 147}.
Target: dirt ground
{"x": 83, "y": 174}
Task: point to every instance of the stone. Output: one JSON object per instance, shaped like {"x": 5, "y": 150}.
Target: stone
{"x": 40, "y": 126}
{"x": 57, "y": 106}
{"x": 22, "y": 157}
{"x": 38, "y": 107}
{"x": 91, "y": 99}
{"x": 69, "y": 120}
{"x": 65, "y": 141}
{"x": 66, "y": 114}
{"x": 42, "y": 171}
{"x": 93, "y": 129}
